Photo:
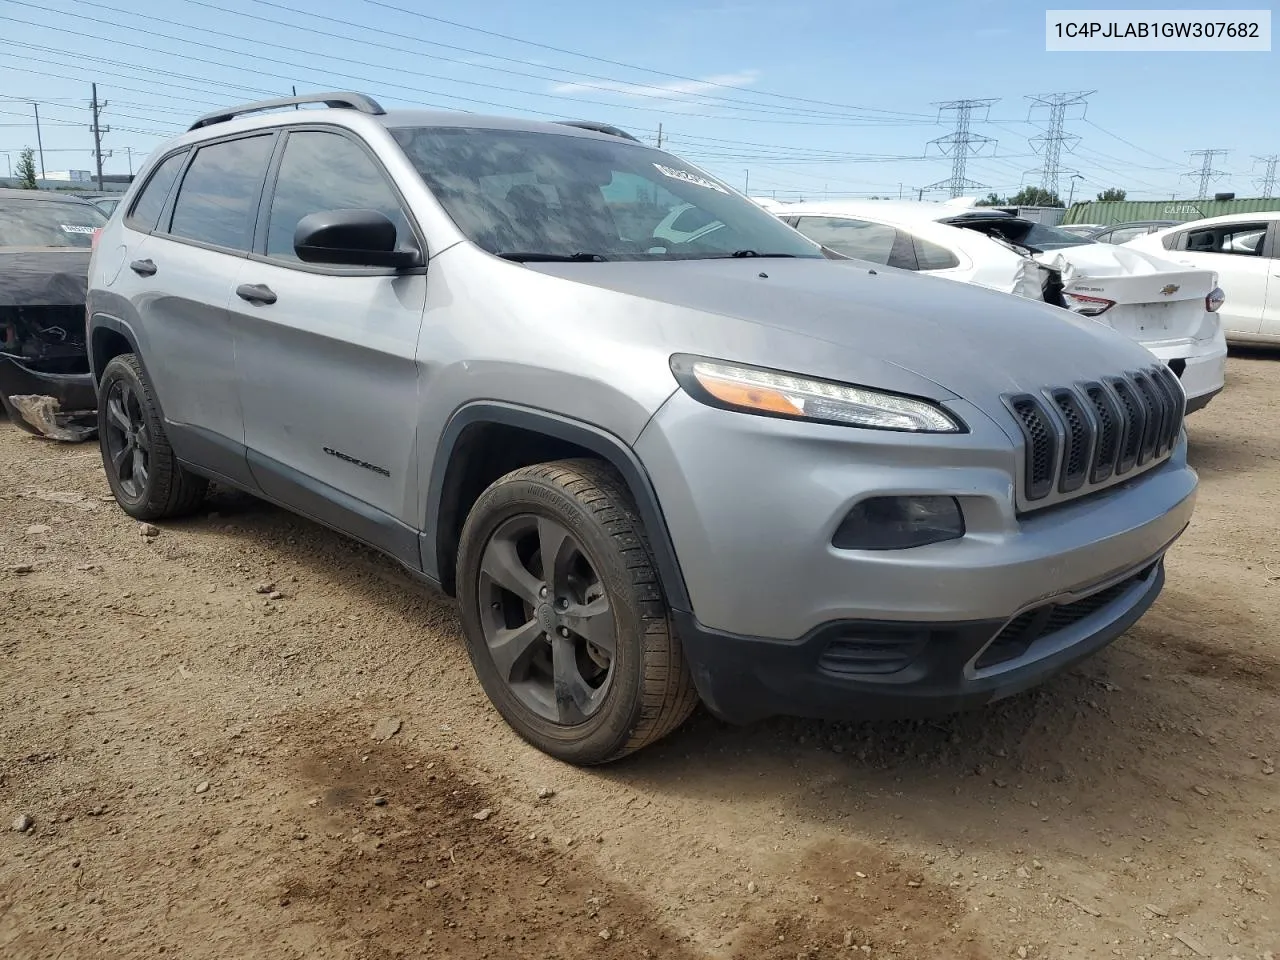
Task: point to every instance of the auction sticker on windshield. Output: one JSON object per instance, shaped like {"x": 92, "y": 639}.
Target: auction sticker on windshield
{"x": 688, "y": 177}
{"x": 1236, "y": 31}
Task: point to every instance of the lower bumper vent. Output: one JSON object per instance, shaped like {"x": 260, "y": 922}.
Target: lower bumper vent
{"x": 1025, "y": 629}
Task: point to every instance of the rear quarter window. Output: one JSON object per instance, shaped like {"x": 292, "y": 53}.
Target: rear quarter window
{"x": 146, "y": 210}
{"x": 930, "y": 256}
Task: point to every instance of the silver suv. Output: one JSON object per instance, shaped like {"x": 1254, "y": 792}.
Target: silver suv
{"x": 653, "y": 469}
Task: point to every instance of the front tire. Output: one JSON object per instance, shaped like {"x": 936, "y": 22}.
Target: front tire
{"x": 144, "y": 475}
{"x": 578, "y": 653}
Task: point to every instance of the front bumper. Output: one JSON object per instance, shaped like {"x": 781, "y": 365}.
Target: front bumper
{"x": 784, "y": 622}
{"x": 843, "y": 670}
{"x": 752, "y": 504}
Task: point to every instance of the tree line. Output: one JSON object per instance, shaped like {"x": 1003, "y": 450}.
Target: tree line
{"x": 1039, "y": 197}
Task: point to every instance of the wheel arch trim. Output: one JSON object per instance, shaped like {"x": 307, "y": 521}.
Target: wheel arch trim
{"x": 106, "y": 321}
{"x": 608, "y": 446}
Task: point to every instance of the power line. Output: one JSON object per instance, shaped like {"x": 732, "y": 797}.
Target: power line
{"x": 365, "y": 80}
{"x": 99, "y": 71}
{"x": 585, "y": 56}
{"x": 611, "y": 87}
{"x": 80, "y": 124}
{"x": 1116, "y": 136}
{"x": 961, "y": 143}
{"x": 1206, "y": 173}
{"x": 1054, "y": 138}
{"x": 814, "y": 151}
{"x": 1267, "y": 182}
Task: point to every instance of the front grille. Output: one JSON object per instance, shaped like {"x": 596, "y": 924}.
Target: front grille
{"x": 1079, "y": 437}
{"x": 1025, "y": 629}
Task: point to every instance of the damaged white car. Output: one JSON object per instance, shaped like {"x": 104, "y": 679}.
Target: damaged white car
{"x": 1169, "y": 308}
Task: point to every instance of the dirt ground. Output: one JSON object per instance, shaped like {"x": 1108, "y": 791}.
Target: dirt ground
{"x": 212, "y": 773}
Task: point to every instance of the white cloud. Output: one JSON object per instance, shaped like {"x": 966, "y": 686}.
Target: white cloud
{"x": 673, "y": 90}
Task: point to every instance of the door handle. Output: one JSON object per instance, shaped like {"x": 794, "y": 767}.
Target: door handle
{"x": 143, "y": 268}
{"x": 256, "y": 293}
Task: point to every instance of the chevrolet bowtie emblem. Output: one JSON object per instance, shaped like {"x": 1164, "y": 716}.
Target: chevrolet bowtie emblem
{"x": 1170, "y": 289}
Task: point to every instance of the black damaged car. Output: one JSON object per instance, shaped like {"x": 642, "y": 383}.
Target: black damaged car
{"x": 45, "y": 242}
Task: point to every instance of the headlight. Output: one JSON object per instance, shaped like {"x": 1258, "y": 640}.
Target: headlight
{"x": 772, "y": 393}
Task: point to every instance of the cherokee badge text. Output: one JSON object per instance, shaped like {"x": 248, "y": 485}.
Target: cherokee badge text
{"x": 359, "y": 463}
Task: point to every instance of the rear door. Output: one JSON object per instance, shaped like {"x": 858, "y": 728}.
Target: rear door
{"x": 179, "y": 279}
{"x": 1235, "y": 250}
{"x": 326, "y": 364}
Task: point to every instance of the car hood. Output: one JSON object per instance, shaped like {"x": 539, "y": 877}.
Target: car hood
{"x": 845, "y": 321}
{"x": 43, "y": 276}
{"x": 1126, "y": 275}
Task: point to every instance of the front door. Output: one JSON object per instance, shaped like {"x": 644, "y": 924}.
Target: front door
{"x": 325, "y": 356}
{"x": 1235, "y": 251}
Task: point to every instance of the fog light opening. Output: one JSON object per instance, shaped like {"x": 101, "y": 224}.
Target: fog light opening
{"x": 898, "y": 523}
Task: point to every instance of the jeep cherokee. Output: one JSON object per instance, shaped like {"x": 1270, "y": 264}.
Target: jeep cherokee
{"x": 652, "y": 468}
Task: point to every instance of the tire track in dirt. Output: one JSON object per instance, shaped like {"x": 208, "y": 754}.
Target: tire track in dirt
{"x": 407, "y": 869}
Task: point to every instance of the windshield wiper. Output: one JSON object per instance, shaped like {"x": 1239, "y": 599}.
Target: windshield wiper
{"x": 522, "y": 257}
{"x": 738, "y": 254}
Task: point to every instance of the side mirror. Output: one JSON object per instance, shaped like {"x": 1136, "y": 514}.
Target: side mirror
{"x": 354, "y": 238}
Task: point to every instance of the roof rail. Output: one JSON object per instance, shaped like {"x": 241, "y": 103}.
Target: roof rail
{"x": 604, "y": 128}
{"x": 351, "y": 101}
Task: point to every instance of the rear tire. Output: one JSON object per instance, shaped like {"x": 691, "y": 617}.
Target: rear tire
{"x": 144, "y": 475}
{"x": 543, "y": 655}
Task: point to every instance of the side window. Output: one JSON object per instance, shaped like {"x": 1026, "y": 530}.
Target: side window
{"x": 1239, "y": 239}
{"x": 146, "y": 209}
{"x": 218, "y": 199}
{"x": 1123, "y": 234}
{"x": 854, "y": 238}
{"x": 326, "y": 171}
{"x": 930, "y": 256}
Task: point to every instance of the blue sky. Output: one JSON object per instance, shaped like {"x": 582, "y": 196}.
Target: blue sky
{"x": 809, "y": 97}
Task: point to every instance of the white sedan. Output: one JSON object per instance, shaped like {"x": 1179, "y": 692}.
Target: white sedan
{"x": 1244, "y": 250}
{"x": 1167, "y": 307}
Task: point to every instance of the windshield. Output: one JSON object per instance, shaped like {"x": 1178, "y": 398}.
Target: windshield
{"x": 48, "y": 223}
{"x": 1035, "y": 237}
{"x": 529, "y": 196}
